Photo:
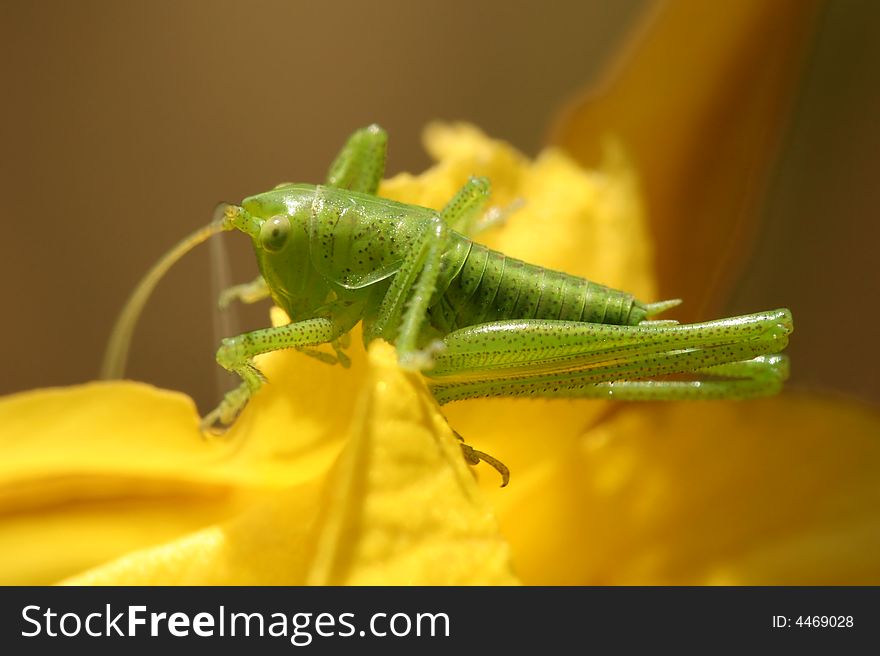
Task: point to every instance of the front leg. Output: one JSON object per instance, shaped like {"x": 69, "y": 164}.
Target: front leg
{"x": 236, "y": 355}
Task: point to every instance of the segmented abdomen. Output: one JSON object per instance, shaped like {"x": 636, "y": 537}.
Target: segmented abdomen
{"x": 490, "y": 286}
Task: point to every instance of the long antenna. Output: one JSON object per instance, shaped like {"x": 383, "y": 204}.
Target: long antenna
{"x": 116, "y": 354}
{"x": 223, "y": 319}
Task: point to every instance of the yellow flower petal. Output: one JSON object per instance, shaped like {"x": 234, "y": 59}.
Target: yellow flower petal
{"x": 270, "y": 544}
{"x": 699, "y": 99}
{"x": 400, "y": 507}
{"x": 41, "y": 545}
{"x": 82, "y": 480}
{"x": 780, "y": 491}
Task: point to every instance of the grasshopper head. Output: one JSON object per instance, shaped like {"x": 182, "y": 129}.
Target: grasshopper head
{"x": 278, "y": 224}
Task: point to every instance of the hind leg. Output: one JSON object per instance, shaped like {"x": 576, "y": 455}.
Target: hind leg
{"x": 728, "y": 358}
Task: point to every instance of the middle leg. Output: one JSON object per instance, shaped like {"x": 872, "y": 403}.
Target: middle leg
{"x": 403, "y": 309}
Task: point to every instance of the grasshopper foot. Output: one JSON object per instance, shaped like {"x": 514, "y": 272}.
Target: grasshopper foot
{"x": 221, "y": 418}
{"x": 474, "y": 457}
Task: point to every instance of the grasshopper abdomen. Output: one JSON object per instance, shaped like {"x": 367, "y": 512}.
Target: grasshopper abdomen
{"x": 487, "y": 285}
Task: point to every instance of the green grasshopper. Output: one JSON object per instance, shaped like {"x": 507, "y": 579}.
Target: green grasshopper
{"x": 473, "y": 321}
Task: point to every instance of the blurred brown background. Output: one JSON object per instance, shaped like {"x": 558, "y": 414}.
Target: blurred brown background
{"x": 123, "y": 125}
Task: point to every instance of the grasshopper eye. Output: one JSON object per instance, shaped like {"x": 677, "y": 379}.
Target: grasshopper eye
{"x": 273, "y": 234}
